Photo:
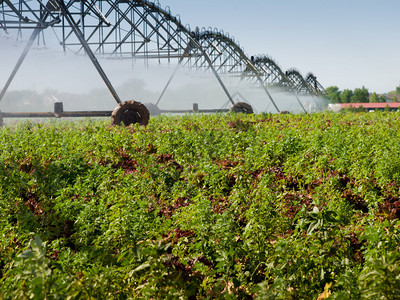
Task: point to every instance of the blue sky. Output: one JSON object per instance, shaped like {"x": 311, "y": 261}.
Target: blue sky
{"x": 348, "y": 43}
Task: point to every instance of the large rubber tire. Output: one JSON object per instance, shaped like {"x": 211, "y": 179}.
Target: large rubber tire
{"x": 242, "y": 107}
{"x": 130, "y": 112}
{"x": 153, "y": 109}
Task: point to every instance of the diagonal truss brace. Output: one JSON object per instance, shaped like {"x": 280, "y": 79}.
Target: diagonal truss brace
{"x": 79, "y": 35}
{"x": 89, "y": 52}
{"x": 21, "y": 59}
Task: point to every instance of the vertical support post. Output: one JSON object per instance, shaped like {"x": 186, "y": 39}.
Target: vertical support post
{"x": 83, "y": 19}
{"x": 58, "y": 109}
{"x": 195, "y": 107}
{"x": 63, "y": 36}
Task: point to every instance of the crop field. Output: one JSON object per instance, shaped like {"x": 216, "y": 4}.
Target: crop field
{"x": 202, "y": 207}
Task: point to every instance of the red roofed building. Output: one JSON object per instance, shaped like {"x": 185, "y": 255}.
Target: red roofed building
{"x": 393, "y": 106}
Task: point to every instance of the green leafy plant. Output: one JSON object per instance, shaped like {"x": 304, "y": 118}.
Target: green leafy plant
{"x": 202, "y": 206}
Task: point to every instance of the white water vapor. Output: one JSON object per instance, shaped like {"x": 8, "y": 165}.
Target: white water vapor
{"x": 48, "y": 75}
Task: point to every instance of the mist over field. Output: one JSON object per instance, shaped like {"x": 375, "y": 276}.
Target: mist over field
{"x": 48, "y": 75}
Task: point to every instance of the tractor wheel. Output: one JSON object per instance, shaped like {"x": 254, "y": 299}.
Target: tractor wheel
{"x": 130, "y": 112}
{"x": 242, "y": 107}
{"x": 153, "y": 109}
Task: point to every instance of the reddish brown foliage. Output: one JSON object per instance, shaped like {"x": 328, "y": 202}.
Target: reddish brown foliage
{"x": 357, "y": 202}
{"x": 356, "y": 246}
{"x": 26, "y": 166}
{"x": 390, "y": 208}
{"x": 168, "y": 210}
{"x": 168, "y": 159}
{"x": 220, "y": 205}
{"x": 227, "y": 164}
{"x": 293, "y": 203}
{"x": 177, "y": 234}
{"x": 33, "y": 203}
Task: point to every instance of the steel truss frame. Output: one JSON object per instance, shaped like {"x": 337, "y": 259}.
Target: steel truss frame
{"x": 138, "y": 29}
{"x": 311, "y": 79}
{"x": 272, "y": 74}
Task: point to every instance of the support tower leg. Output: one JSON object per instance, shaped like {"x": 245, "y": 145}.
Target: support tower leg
{"x": 89, "y": 52}
{"x": 21, "y": 59}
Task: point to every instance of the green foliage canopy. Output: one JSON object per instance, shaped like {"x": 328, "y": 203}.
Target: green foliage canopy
{"x": 360, "y": 95}
{"x": 333, "y": 94}
{"x": 215, "y": 206}
{"x": 346, "y": 95}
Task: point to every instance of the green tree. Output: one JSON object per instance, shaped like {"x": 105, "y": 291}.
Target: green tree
{"x": 360, "y": 95}
{"x": 345, "y": 96}
{"x": 374, "y": 98}
{"x": 333, "y": 94}
{"x": 382, "y": 98}
{"x": 398, "y": 90}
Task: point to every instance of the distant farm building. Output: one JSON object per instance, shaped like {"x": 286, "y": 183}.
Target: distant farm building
{"x": 394, "y": 106}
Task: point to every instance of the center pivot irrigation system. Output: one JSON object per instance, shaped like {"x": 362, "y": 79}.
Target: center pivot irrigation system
{"x": 139, "y": 29}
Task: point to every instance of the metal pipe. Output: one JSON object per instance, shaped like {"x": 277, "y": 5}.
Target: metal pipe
{"x": 68, "y": 114}
{"x": 86, "y": 114}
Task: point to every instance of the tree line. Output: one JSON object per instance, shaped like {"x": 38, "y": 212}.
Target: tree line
{"x": 359, "y": 95}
